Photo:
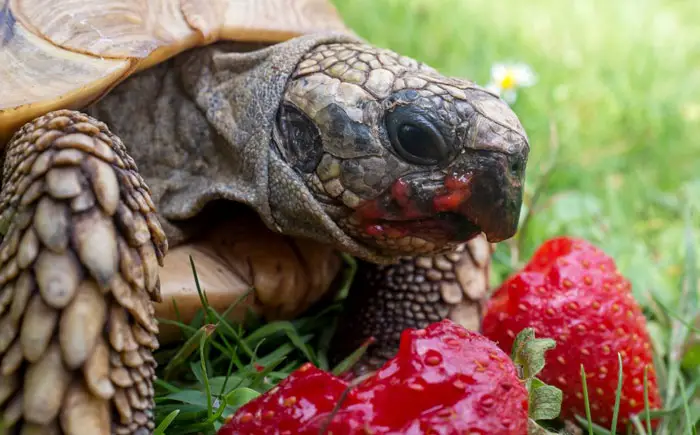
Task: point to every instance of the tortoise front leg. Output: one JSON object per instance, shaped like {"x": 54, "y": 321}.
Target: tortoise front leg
{"x": 417, "y": 291}
{"x": 78, "y": 273}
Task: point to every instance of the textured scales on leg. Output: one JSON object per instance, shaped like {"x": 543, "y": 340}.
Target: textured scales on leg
{"x": 413, "y": 293}
{"x": 78, "y": 274}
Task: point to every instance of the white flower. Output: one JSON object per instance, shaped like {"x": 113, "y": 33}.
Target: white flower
{"x": 507, "y": 78}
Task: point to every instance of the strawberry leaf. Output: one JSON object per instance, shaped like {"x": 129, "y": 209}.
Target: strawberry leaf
{"x": 528, "y": 355}
{"x": 240, "y": 396}
{"x": 528, "y": 352}
{"x": 545, "y": 400}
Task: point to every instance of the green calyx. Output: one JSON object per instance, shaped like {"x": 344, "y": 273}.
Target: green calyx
{"x": 528, "y": 354}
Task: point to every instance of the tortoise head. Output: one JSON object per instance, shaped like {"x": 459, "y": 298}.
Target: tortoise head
{"x": 402, "y": 158}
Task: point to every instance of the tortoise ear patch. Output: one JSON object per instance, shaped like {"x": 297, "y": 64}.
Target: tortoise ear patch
{"x": 301, "y": 139}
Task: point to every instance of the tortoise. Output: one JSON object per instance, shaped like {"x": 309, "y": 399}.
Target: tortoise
{"x": 262, "y": 137}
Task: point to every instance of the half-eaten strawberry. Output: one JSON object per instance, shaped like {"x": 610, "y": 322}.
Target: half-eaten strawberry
{"x": 445, "y": 379}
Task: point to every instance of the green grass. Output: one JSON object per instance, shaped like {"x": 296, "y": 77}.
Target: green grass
{"x": 615, "y": 113}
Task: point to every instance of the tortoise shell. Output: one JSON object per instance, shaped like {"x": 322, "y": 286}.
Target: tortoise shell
{"x": 68, "y": 55}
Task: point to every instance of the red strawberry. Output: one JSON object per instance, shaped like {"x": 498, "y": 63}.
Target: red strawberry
{"x": 444, "y": 380}
{"x": 447, "y": 380}
{"x": 288, "y": 406}
{"x": 572, "y": 292}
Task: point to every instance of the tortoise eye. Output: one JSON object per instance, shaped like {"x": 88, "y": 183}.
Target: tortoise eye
{"x": 416, "y": 139}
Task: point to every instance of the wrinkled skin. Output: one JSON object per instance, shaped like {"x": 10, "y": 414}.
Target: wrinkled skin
{"x": 401, "y": 157}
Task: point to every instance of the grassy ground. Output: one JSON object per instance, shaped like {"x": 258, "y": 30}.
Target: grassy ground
{"x": 615, "y": 113}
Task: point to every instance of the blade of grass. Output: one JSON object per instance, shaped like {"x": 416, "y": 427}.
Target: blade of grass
{"x": 160, "y": 430}
{"x": 239, "y": 378}
{"x": 235, "y": 303}
{"x": 186, "y": 328}
{"x": 205, "y": 377}
{"x": 228, "y": 375}
{"x": 190, "y": 397}
{"x": 638, "y": 426}
{"x": 670, "y": 409}
{"x": 166, "y": 386}
{"x": 199, "y": 319}
{"x": 671, "y": 313}
{"x": 646, "y": 399}
{"x": 686, "y": 412}
{"x": 200, "y": 292}
{"x": 198, "y": 428}
{"x": 295, "y": 338}
{"x": 318, "y": 319}
{"x": 280, "y": 352}
{"x": 228, "y": 350}
{"x": 260, "y": 376}
{"x": 227, "y": 328}
{"x": 353, "y": 358}
{"x": 178, "y": 317}
{"x": 324, "y": 344}
{"x": 688, "y": 304}
{"x": 187, "y": 349}
{"x": 618, "y": 395}
{"x": 593, "y": 429}
{"x": 679, "y": 328}
{"x": 587, "y": 404}
{"x": 221, "y": 406}
{"x": 287, "y": 328}
{"x": 348, "y": 276}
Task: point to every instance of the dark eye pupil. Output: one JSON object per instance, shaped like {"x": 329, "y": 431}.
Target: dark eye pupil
{"x": 419, "y": 142}
{"x": 415, "y": 137}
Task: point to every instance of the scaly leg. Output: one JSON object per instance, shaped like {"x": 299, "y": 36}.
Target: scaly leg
{"x": 417, "y": 291}
{"x": 78, "y": 273}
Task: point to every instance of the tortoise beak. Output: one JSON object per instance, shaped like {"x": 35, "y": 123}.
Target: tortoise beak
{"x": 496, "y": 193}
{"x": 496, "y": 199}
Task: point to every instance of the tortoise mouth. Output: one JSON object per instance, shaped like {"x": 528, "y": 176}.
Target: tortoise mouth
{"x": 463, "y": 228}
{"x": 448, "y": 208}
{"x": 434, "y": 209}
{"x": 442, "y": 228}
